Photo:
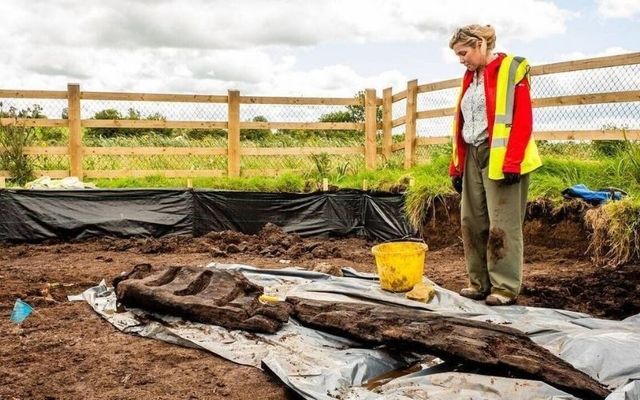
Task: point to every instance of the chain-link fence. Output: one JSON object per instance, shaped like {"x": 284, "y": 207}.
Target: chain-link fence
{"x": 309, "y": 137}
{"x": 153, "y": 136}
{"x": 42, "y": 136}
{"x": 318, "y": 163}
{"x": 106, "y": 146}
{"x": 565, "y": 103}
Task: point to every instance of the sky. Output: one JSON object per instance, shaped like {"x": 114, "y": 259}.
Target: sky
{"x": 287, "y": 47}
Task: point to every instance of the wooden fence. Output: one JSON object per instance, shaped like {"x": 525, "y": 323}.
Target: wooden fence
{"x": 234, "y": 152}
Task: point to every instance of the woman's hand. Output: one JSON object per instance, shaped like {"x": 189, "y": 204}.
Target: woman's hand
{"x": 510, "y": 178}
{"x": 456, "y": 182}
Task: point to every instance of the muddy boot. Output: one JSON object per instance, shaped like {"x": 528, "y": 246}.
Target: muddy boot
{"x": 496, "y": 299}
{"x": 473, "y": 293}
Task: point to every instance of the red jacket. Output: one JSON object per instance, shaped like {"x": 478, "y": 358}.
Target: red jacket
{"x": 521, "y": 127}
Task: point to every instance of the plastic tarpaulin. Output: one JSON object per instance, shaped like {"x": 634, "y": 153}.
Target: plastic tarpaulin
{"x": 595, "y": 197}
{"x": 335, "y": 214}
{"x": 33, "y": 215}
{"x": 319, "y": 365}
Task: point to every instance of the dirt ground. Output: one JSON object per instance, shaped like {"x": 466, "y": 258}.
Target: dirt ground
{"x": 66, "y": 351}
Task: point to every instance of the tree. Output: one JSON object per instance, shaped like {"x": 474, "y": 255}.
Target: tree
{"x": 14, "y": 137}
{"x": 110, "y": 114}
{"x": 255, "y": 134}
{"x": 132, "y": 114}
{"x": 353, "y": 113}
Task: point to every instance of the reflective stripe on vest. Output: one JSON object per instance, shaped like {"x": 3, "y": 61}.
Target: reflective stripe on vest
{"x": 512, "y": 71}
{"x": 454, "y": 141}
{"x": 507, "y": 117}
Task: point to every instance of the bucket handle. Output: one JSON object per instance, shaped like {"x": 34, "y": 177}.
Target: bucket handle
{"x": 406, "y": 238}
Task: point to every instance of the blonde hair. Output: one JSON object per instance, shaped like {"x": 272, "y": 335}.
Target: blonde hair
{"x": 471, "y": 35}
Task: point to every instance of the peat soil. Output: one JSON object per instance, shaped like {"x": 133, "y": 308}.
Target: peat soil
{"x": 66, "y": 351}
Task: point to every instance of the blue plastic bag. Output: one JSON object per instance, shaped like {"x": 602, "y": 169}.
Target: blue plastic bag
{"x": 21, "y": 311}
{"x": 595, "y": 197}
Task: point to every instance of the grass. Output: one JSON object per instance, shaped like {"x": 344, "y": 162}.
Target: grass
{"x": 283, "y": 183}
{"x": 565, "y": 164}
{"x": 616, "y": 232}
{"x": 615, "y": 226}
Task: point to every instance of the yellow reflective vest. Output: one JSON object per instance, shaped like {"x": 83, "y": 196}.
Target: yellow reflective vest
{"x": 511, "y": 72}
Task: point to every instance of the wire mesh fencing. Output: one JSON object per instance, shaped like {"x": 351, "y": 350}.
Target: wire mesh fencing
{"x": 590, "y": 100}
{"x": 338, "y": 141}
{"x": 313, "y": 137}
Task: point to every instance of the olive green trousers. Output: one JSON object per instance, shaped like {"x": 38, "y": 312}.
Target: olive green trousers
{"x": 491, "y": 218}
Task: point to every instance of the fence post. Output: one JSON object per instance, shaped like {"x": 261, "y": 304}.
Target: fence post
{"x": 410, "y": 124}
{"x": 233, "y": 134}
{"x": 75, "y": 130}
{"x": 370, "y": 128}
{"x": 387, "y": 115}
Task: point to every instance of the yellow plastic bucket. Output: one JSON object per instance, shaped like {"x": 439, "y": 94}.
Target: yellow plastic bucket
{"x": 400, "y": 264}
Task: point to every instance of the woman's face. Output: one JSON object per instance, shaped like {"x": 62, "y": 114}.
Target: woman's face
{"x": 470, "y": 57}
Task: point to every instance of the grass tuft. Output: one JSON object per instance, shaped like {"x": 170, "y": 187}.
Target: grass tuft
{"x": 616, "y": 232}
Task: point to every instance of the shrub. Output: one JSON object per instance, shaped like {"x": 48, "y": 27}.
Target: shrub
{"x": 132, "y": 114}
{"x": 609, "y": 148}
{"x": 13, "y": 139}
{"x": 201, "y": 134}
{"x": 256, "y": 135}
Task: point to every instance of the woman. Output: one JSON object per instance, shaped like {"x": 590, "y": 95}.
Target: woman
{"x": 493, "y": 153}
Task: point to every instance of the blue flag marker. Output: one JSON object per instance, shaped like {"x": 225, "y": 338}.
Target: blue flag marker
{"x": 21, "y": 311}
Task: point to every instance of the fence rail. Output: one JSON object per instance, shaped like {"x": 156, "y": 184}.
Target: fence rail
{"x": 377, "y": 129}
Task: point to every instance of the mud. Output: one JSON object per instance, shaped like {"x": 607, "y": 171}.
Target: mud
{"x": 65, "y": 350}
{"x": 604, "y": 292}
{"x": 497, "y": 247}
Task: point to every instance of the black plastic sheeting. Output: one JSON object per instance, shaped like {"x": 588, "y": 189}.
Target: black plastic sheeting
{"x": 36, "y": 215}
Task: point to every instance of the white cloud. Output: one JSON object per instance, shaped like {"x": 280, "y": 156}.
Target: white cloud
{"x": 579, "y": 55}
{"x": 618, "y": 8}
{"x": 214, "y": 45}
{"x": 254, "y": 72}
{"x": 216, "y": 24}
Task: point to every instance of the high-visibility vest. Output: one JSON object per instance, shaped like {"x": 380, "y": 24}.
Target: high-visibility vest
{"x": 512, "y": 70}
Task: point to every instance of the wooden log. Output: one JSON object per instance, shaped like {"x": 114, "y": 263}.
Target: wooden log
{"x": 449, "y": 338}
{"x": 210, "y": 296}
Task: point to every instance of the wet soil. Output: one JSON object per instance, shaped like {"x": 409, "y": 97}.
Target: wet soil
{"x": 67, "y": 351}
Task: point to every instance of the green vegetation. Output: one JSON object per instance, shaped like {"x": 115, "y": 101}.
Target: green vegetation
{"x": 598, "y": 164}
{"x": 283, "y": 183}
{"x": 13, "y": 139}
{"x": 430, "y": 178}
{"x": 616, "y": 232}
{"x": 132, "y": 114}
